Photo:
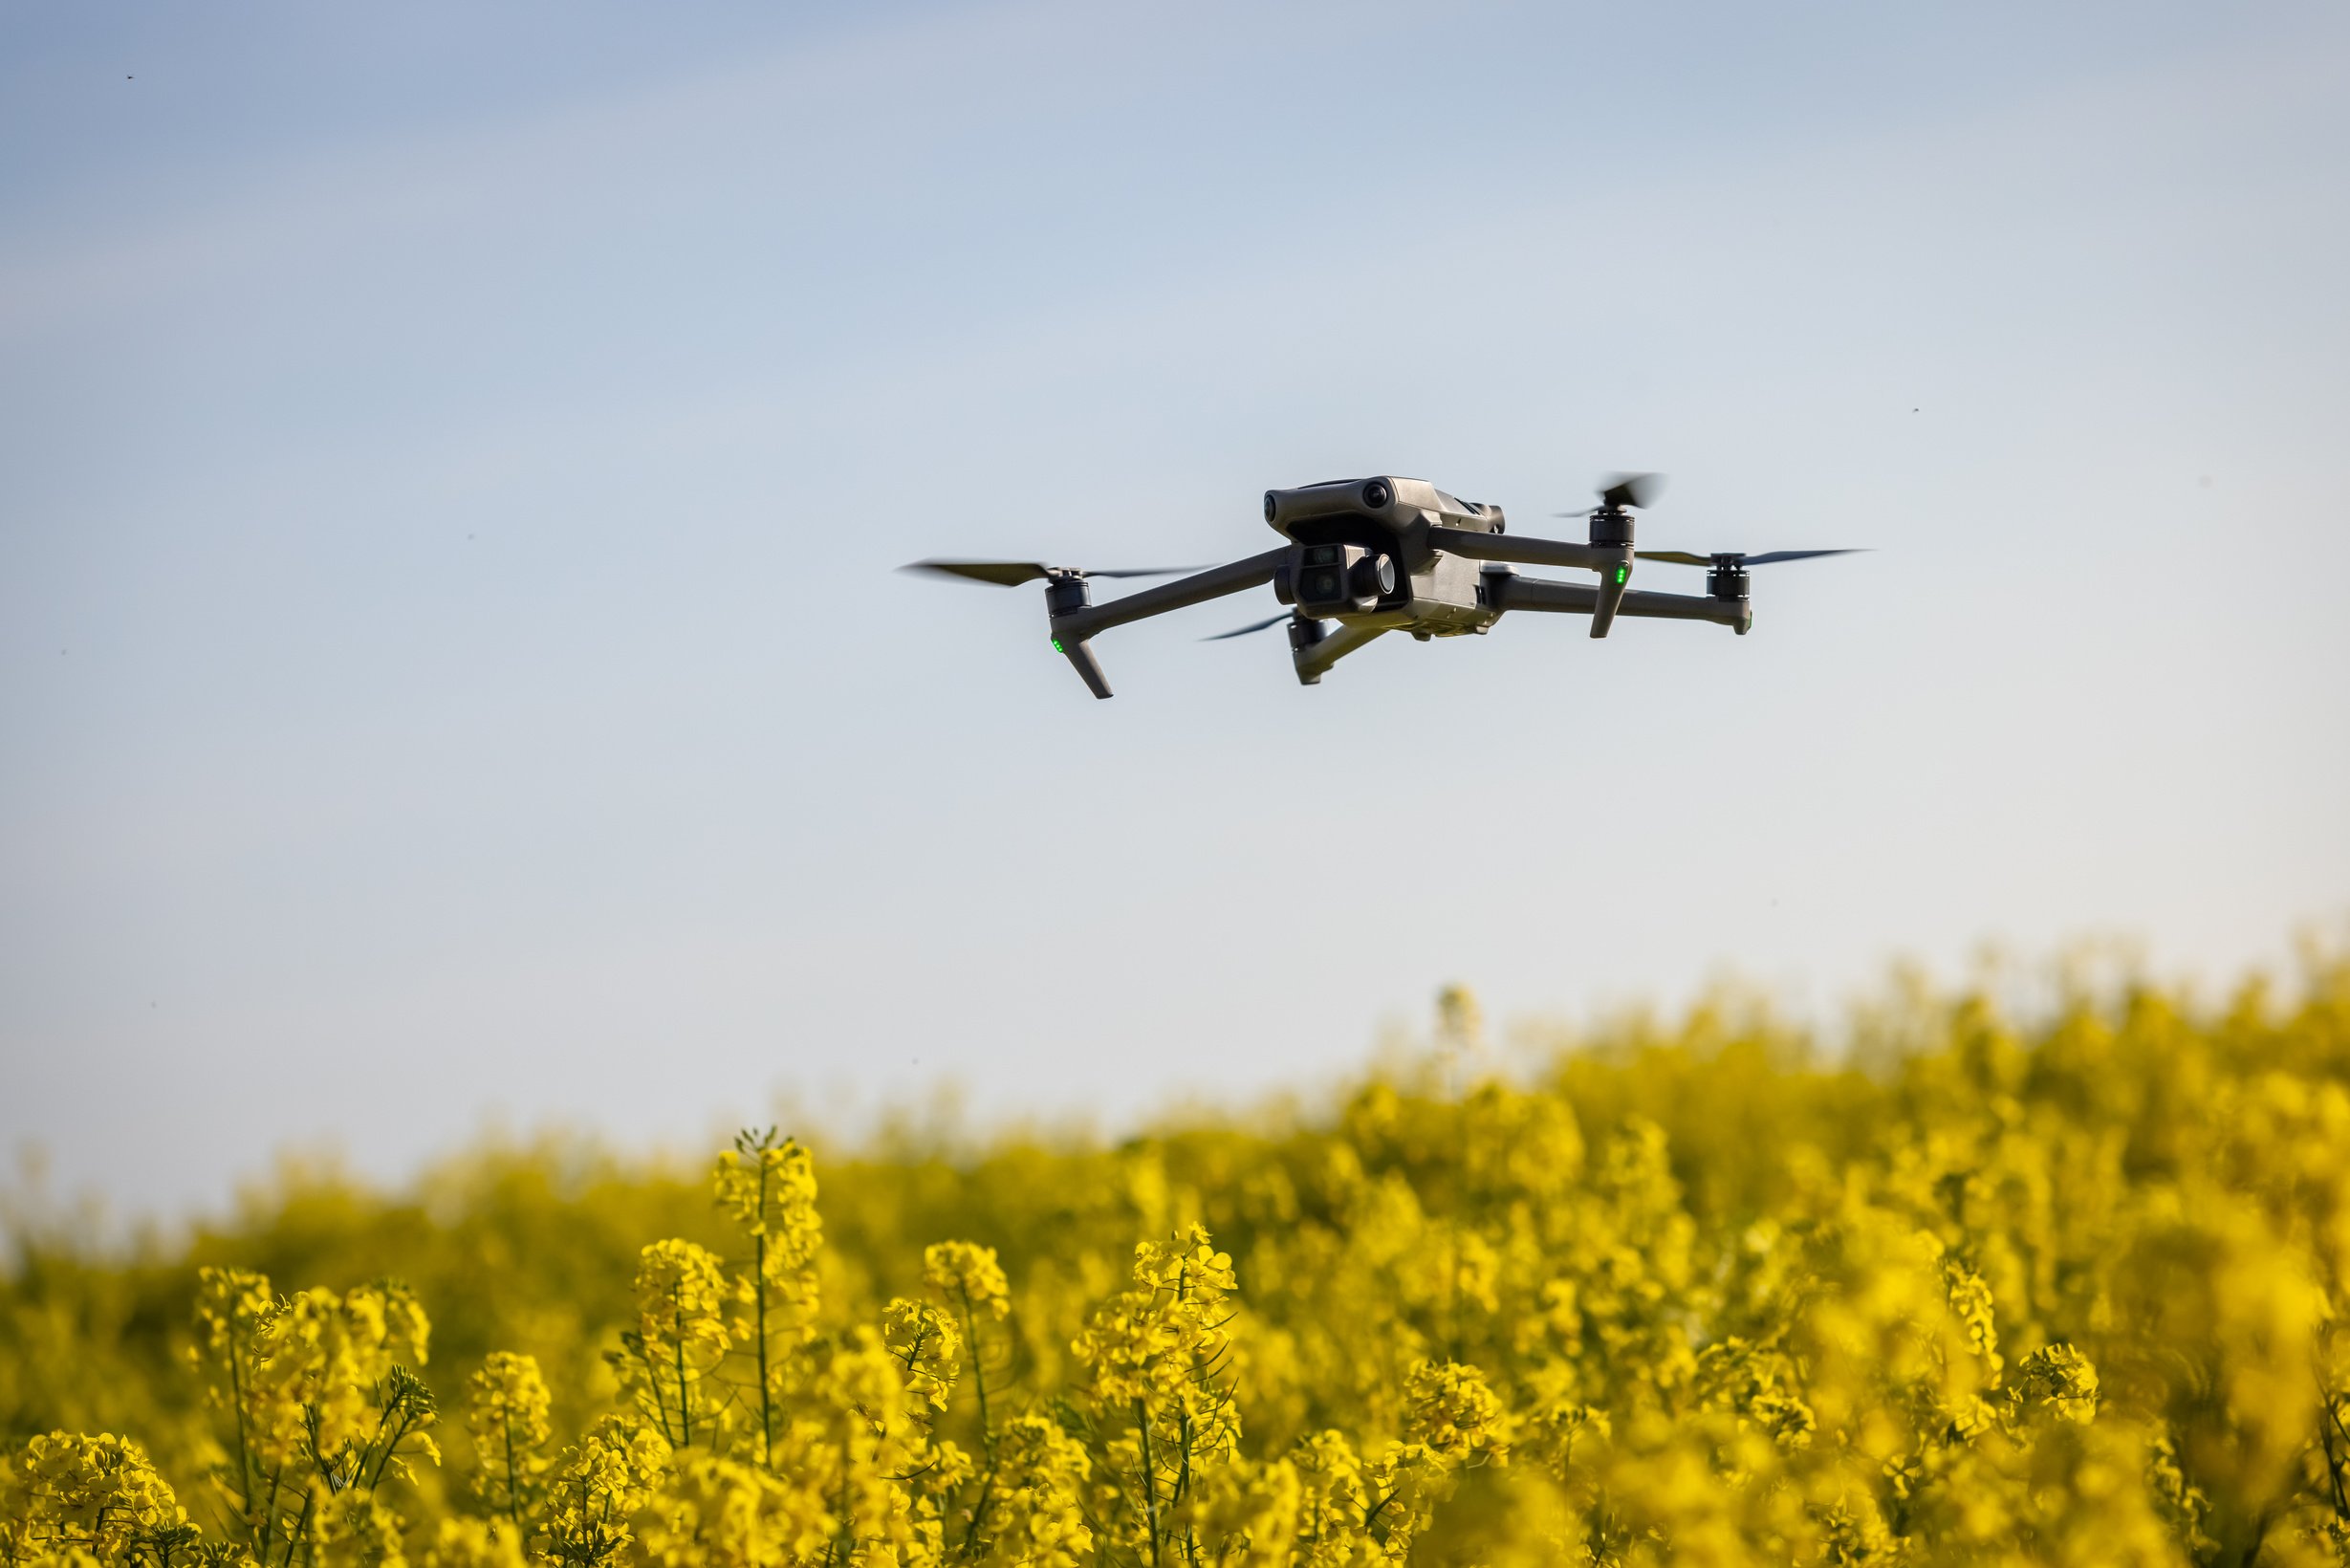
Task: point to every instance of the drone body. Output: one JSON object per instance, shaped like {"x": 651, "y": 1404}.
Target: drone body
{"x": 1367, "y": 557}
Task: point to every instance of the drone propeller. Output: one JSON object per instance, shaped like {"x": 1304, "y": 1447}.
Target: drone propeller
{"x": 1736, "y": 559}
{"x": 1623, "y": 489}
{"x": 1011, "y": 574}
{"x": 1243, "y": 631}
{"x": 1611, "y": 528}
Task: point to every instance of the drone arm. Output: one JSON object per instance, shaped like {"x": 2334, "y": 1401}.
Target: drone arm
{"x": 1084, "y": 621}
{"x": 1508, "y": 591}
{"x": 1737, "y": 614}
{"x": 1612, "y": 561}
{"x": 1073, "y": 627}
{"x": 1507, "y": 547}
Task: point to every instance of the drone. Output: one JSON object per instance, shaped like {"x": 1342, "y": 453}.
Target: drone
{"x": 1364, "y": 558}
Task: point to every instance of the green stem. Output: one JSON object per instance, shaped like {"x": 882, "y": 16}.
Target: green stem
{"x": 236, "y": 1393}
{"x": 268, "y": 1514}
{"x": 684, "y": 1411}
{"x": 514, "y": 1488}
{"x": 979, "y": 1511}
{"x": 758, "y": 1285}
{"x": 302, "y": 1528}
{"x": 848, "y": 1519}
{"x": 979, "y": 1372}
{"x": 1182, "y": 1486}
{"x": 407, "y": 1420}
{"x": 1150, "y": 1482}
{"x": 384, "y": 1460}
{"x": 2329, "y": 1410}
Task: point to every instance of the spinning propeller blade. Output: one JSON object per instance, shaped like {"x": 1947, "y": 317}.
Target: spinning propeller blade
{"x": 1243, "y": 631}
{"x": 1004, "y": 574}
{"x": 1011, "y": 573}
{"x": 1622, "y": 490}
{"x": 1632, "y": 489}
{"x": 1733, "y": 557}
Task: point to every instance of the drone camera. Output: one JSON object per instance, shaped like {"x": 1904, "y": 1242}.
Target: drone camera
{"x": 1321, "y": 578}
{"x": 1332, "y": 578}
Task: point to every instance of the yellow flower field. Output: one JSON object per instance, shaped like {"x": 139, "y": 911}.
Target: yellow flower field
{"x": 2068, "y": 1290}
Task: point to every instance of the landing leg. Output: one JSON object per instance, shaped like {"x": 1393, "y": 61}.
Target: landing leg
{"x": 1080, "y": 654}
{"x": 1313, "y": 651}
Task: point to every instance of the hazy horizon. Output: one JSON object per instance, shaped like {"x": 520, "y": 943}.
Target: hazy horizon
{"x": 946, "y": 1117}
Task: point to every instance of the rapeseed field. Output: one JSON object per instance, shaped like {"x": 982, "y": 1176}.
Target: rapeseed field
{"x": 2064, "y": 1290}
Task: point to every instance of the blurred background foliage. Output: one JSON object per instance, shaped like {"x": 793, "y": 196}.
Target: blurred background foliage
{"x": 2067, "y": 1287}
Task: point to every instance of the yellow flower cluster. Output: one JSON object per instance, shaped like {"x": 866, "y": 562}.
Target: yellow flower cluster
{"x": 1158, "y": 1399}
{"x": 506, "y": 1415}
{"x": 680, "y": 1338}
{"x": 2071, "y": 1293}
{"x": 96, "y": 1495}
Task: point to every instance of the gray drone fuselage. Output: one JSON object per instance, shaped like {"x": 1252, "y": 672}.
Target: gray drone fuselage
{"x": 1363, "y": 557}
{"x": 1389, "y": 554}
{"x": 1362, "y": 553}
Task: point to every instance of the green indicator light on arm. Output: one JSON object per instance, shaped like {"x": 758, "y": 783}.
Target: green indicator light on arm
{"x": 1057, "y": 646}
{"x": 1621, "y": 572}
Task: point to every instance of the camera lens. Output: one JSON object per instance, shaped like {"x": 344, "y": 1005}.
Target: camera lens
{"x": 1271, "y": 506}
{"x": 1376, "y": 495}
{"x": 1322, "y": 585}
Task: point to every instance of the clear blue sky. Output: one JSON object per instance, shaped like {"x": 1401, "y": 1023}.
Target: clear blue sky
{"x": 452, "y": 460}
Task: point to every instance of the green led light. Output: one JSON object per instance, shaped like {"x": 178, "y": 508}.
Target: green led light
{"x": 1621, "y": 572}
{"x": 1057, "y": 646}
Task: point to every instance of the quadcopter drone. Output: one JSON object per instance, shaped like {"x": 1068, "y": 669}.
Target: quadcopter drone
{"x": 1388, "y": 555}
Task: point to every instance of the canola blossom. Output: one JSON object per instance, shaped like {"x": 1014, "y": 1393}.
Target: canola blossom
{"x": 1976, "y": 1292}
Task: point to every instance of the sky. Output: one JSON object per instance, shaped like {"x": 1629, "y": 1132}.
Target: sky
{"x": 453, "y": 460}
